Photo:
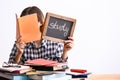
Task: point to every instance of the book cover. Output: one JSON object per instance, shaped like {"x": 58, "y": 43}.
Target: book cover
{"x": 40, "y": 61}
{"x": 78, "y": 70}
{"x": 27, "y": 28}
{"x": 17, "y": 70}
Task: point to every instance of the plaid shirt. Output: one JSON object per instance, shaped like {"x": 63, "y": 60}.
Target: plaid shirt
{"x": 47, "y": 50}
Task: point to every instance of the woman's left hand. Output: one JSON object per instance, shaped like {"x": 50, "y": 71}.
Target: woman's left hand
{"x": 68, "y": 44}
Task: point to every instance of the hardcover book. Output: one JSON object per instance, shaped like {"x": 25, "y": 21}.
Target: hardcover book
{"x": 16, "y": 69}
{"x": 78, "y": 75}
{"x": 46, "y": 65}
{"x": 57, "y": 76}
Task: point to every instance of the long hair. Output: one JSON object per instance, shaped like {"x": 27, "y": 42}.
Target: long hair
{"x": 31, "y": 10}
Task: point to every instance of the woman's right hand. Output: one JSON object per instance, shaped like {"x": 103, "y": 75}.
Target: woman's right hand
{"x": 20, "y": 45}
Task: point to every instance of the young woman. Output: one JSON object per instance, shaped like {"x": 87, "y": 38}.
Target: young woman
{"x": 40, "y": 49}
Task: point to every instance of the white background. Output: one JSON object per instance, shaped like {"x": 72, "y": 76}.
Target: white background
{"x": 97, "y": 31}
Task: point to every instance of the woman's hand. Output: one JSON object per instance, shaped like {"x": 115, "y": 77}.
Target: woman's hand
{"x": 20, "y": 45}
{"x": 68, "y": 44}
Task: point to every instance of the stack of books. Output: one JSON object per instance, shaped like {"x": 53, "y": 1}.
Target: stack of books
{"x": 15, "y": 69}
{"x": 47, "y": 70}
{"x": 78, "y": 74}
{"x": 46, "y": 65}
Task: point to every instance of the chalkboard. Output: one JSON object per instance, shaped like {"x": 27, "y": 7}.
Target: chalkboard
{"x": 57, "y": 27}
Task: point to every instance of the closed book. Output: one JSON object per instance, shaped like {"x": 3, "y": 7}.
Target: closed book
{"x": 47, "y": 76}
{"x": 47, "y": 65}
{"x": 17, "y": 70}
{"x": 78, "y": 70}
{"x": 40, "y": 61}
{"x": 66, "y": 77}
{"x": 22, "y": 71}
{"x": 38, "y": 72}
{"x": 78, "y": 75}
{"x": 50, "y": 68}
{"x": 78, "y": 79}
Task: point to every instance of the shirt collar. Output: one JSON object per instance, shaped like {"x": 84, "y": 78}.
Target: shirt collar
{"x": 43, "y": 43}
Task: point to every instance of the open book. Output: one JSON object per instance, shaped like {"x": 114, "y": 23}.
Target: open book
{"x": 27, "y": 28}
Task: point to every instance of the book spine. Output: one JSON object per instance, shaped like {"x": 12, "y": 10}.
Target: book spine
{"x": 49, "y": 68}
{"x": 79, "y": 76}
{"x": 65, "y": 77}
{"x": 20, "y": 78}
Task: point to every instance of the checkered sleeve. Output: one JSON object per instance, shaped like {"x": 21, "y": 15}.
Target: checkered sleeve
{"x": 59, "y": 53}
{"x": 12, "y": 54}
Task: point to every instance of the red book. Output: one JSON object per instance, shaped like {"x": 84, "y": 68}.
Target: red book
{"x": 47, "y": 65}
{"x": 41, "y": 61}
{"x": 78, "y": 70}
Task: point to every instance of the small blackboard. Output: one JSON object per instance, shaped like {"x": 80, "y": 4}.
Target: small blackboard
{"x": 58, "y": 28}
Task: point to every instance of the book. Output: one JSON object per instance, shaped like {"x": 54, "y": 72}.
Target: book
{"x": 46, "y": 65}
{"x": 39, "y": 72}
{"x": 49, "y": 68}
{"x": 66, "y": 77}
{"x": 78, "y": 79}
{"x": 78, "y": 70}
{"x": 54, "y": 76}
{"x": 23, "y": 71}
{"x": 40, "y": 61}
{"x": 27, "y": 28}
{"x": 10, "y": 76}
{"x": 16, "y": 69}
{"x": 78, "y": 75}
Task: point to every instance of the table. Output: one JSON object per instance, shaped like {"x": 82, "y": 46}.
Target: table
{"x": 103, "y": 77}
{"x": 10, "y": 76}
{"x": 90, "y": 77}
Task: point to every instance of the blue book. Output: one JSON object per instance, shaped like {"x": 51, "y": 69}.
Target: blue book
{"x": 47, "y": 76}
{"x": 65, "y": 77}
{"x": 78, "y": 75}
{"x": 20, "y": 78}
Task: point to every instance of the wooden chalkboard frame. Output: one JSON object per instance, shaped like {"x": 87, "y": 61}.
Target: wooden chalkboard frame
{"x": 56, "y": 16}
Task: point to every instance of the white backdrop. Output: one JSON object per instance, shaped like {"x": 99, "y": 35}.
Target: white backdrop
{"x": 97, "y": 32}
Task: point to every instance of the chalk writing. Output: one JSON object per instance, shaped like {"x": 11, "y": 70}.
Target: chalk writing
{"x": 57, "y": 27}
{"x": 60, "y": 27}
